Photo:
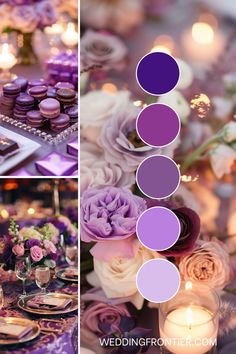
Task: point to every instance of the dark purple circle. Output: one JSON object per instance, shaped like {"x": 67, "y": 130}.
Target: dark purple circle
{"x": 158, "y": 125}
{"x": 158, "y": 177}
{"x": 158, "y": 228}
{"x": 157, "y": 73}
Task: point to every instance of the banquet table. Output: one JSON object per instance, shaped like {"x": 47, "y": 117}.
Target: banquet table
{"x": 64, "y": 342}
{"x": 35, "y": 72}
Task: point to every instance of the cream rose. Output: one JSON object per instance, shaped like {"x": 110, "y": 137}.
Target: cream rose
{"x": 96, "y": 108}
{"x": 117, "y": 277}
{"x": 178, "y": 103}
{"x": 229, "y": 132}
{"x": 222, "y": 159}
{"x": 29, "y": 232}
{"x": 208, "y": 263}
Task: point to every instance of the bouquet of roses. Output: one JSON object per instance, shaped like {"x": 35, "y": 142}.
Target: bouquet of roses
{"x": 38, "y": 243}
{"x": 26, "y": 15}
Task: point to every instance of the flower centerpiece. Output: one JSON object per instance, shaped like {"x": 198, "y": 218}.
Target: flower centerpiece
{"x": 24, "y": 17}
{"x": 38, "y": 243}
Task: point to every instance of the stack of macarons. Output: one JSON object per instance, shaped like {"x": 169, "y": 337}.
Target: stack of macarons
{"x": 36, "y": 103}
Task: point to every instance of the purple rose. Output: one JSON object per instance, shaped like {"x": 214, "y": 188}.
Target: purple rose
{"x": 32, "y": 242}
{"x": 109, "y": 214}
{"x": 121, "y": 143}
{"x": 46, "y": 13}
{"x": 190, "y": 229}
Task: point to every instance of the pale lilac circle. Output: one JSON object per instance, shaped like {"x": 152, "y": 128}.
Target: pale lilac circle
{"x": 158, "y": 176}
{"x": 158, "y": 280}
{"x": 158, "y": 228}
{"x": 158, "y": 125}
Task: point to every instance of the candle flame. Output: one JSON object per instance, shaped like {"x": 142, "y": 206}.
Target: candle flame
{"x": 31, "y": 211}
{"x": 4, "y": 214}
{"x": 188, "y": 285}
{"x": 202, "y": 33}
{"x": 164, "y": 44}
{"x": 189, "y": 316}
{"x": 161, "y": 48}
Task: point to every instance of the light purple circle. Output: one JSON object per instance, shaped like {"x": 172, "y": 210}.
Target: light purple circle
{"x": 158, "y": 280}
{"x": 158, "y": 176}
{"x": 158, "y": 228}
{"x": 158, "y": 125}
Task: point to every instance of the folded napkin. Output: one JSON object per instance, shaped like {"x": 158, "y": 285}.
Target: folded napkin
{"x": 48, "y": 302}
{"x": 13, "y": 331}
{"x": 71, "y": 273}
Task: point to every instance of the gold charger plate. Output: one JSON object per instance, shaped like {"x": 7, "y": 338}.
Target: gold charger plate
{"x": 73, "y": 306}
{"x": 59, "y": 274}
{"x": 23, "y": 322}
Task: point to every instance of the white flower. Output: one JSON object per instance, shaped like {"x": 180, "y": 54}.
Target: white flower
{"x": 222, "y": 159}
{"x": 117, "y": 276}
{"x": 223, "y": 107}
{"x": 96, "y": 107}
{"x": 95, "y": 171}
{"x": 29, "y": 232}
{"x": 229, "y": 132}
{"x": 186, "y": 75}
{"x": 53, "y": 231}
{"x": 176, "y": 100}
{"x": 208, "y": 263}
{"x": 119, "y": 16}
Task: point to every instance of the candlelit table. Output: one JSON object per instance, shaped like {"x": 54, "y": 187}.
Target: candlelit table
{"x": 63, "y": 340}
{"x": 35, "y": 72}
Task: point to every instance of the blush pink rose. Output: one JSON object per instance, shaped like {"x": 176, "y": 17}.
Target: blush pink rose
{"x": 19, "y": 250}
{"x": 50, "y": 247}
{"x": 36, "y": 253}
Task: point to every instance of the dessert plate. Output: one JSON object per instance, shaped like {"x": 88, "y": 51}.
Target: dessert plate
{"x": 27, "y": 148}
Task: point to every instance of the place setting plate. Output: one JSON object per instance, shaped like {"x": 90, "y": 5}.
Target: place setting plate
{"x": 32, "y": 334}
{"x": 72, "y": 306}
{"x": 60, "y": 274}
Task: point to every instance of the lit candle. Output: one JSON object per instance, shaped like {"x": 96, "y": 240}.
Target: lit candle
{"x": 164, "y": 44}
{"x": 55, "y": 29}
{"x": 70, "y": 36}
{"x": 7, "y": 59}
{"x": 193, "y": 329}
{"x": 188, "y": 323}
{"x": 203, "y": 43}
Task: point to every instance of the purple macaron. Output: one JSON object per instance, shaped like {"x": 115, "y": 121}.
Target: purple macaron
{"x": 11, "y": 90}
{"x": 40, "y": 82}
{"x": 22, "y": 82}
{"x": 50, "y": 108}
{"x": 64, "y": 85}
{"x": 35, "y": 119}
{"x": 24, "y": 102}
{"x": 60, "y": 123}
{"x": 38, "y": 92}
{"x": 52, "y": 92}
{"x": 72, "y": 113}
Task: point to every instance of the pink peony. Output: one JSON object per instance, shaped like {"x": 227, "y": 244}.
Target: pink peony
{"x": 36, "y": 253}
{"x": 19, "y": 249}
{"x": 50, "y": 247}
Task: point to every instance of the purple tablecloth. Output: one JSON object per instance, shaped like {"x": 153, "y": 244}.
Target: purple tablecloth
{"x": 54, "y": 343}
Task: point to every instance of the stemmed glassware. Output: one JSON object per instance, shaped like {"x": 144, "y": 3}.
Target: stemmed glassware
{"x": 23, "y": 270}
{"x": 42, "y": 277}
{"x": 71, "y": 255}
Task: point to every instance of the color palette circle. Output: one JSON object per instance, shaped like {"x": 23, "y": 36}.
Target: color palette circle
{"x": 158, "y": 177}
{"x": 158, "y": 125}
{"x": 157, "y": 73}
{"x": 158, "y": 280}
{"x": 158, "y": 228}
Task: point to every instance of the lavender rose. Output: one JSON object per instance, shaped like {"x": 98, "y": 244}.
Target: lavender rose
{"x": 109, "y": 214}
{"x": 46, "y": 13}
{"x": 24, "y": 18}
{"x": 121, "y": 143}
{"x": 96, "y": 172}
{"x": 98, "y": 48}
{"x": 36, "y": 253}
{"x": 100, "y": 314}
{"x": 208, "y": 263}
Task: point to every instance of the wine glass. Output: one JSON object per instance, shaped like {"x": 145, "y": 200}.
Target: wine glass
{"x": 23, "y": 270}
{"x": 1, "y": 298}
{"x": 71, "y": 255}
{"x": 42, "y": 277}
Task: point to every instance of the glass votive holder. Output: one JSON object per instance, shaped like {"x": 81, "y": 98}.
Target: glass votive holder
{"x": 188, "y": 323}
